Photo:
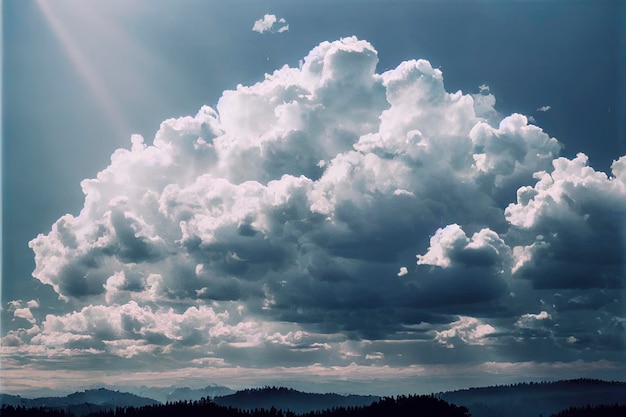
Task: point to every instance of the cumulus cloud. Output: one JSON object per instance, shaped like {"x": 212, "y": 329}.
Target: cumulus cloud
{"x": 467, "y": 330}
{"x": 22, "y": 309}
{"x": 450, "y": 246}
{"x": 569, "y": 219}
{"x": 512, "y": 163}
{"x": 25, "y": 314}
{"x": 270, "y": 23}
{"x": 544, "y": 108}
{"x": 295, "y": 199}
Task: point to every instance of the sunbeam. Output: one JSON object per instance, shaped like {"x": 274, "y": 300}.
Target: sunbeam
{"x": 86, "y": 70}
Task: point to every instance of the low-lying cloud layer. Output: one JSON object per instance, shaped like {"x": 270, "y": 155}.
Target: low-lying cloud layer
{"x": 332, "y": 215}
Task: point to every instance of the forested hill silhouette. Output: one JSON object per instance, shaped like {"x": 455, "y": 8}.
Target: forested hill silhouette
{"x": 290, "y": 399}
{"x": 89, "y": 400}
{"x": 401, "y": 406}
{"x": 537, "y": 398}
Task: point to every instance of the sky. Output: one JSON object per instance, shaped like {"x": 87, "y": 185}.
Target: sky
{"x": 376, "y": 197}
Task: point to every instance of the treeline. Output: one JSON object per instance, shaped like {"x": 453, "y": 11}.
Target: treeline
{"x": 613, "y": 410}
{"x": 521, "y": 386}
{"x": 267, "y": 389}
{"x": 587, "y": 382}
{"x": 401, "y": 406}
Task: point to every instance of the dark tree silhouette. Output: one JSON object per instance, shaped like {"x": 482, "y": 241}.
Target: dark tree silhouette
{"x": 613, "y": 410}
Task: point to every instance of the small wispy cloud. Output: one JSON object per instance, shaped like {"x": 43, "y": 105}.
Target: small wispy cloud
{"x": 544, "y": 108}
{"x": 270, "y": 23}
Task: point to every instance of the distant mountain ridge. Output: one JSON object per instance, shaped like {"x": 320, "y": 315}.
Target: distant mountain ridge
{"x": 81, "y": 403}
{"x": 171, "y": 394}
{"x": 129, "y": 397}
{"x": 100, "y": 396}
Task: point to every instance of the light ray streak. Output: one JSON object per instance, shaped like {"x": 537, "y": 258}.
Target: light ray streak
{"x": 86, "y": 71}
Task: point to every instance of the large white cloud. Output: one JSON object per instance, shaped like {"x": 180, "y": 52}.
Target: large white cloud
{"x": 298, "y": 199}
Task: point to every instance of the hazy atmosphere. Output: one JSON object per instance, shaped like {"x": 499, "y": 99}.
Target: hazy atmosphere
{"x": 357, "y": 196}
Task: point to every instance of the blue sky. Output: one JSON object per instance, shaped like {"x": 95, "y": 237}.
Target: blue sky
{"x": 389, "y": 204}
